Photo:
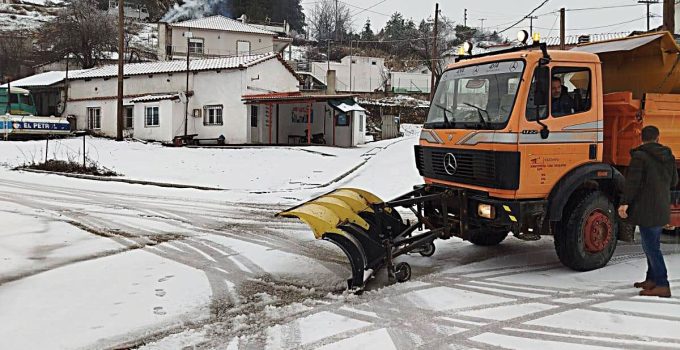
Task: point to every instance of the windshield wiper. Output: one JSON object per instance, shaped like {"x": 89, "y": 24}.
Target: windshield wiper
{"x": 485, "y": 124}
{"x": 447, "y": 124}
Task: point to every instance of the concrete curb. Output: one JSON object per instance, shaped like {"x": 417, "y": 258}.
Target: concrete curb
{"x": 116, "y": 179}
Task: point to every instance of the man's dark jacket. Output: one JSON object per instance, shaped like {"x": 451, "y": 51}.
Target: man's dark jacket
{"x": 650, "y": 177}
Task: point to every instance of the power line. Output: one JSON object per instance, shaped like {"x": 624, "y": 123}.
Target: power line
{"x": 591, "y": 8}
{"x": 523, "y": 18}
{"x": 604, "y": 26}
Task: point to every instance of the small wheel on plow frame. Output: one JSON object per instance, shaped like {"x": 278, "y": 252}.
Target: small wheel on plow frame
{"x": 428, "y": 250}
{"x": 402, "y": 272}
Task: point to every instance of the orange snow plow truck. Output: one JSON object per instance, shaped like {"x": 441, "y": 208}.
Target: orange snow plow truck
{"x": 526, "y": 141}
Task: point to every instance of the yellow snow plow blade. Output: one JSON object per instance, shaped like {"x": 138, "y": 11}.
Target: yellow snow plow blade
{"x": 325, "y": 213}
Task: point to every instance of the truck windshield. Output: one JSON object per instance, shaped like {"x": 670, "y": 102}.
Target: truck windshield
{"x": 476, "y": 97}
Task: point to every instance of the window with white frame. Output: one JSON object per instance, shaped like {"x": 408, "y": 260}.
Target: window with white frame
{"x": 94, "y": 118}
{"x": 151, "y": 116}
{"x": 243, "y": 48}
{"x": 212, "y": 115}
{"x": 196, "y": 46}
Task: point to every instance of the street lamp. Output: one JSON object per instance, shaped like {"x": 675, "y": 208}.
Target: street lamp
{"x": 188, "y": 35}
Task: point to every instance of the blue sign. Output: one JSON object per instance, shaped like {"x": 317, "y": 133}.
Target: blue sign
{"x": 41, "y": 126}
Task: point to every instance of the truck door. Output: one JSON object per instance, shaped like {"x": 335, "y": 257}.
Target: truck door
{"x": 572, "y": 121}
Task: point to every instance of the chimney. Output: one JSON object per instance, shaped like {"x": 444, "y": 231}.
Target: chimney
{"x": 330, "y": 82}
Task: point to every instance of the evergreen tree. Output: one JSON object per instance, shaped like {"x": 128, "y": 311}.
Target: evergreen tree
{"x": 367, "y": 33}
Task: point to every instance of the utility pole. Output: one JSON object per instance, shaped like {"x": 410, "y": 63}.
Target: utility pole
{"x": 351, "y": 53}
{"x": 649, "y": 14}
{"x": 189, "y": 36}
{"x": 482, "y": 28}
{"x": 121, "y": 66}
{"x": 563, "y": 29}
{"x": 337, "y": 19}
{"x": 435, "y": 54}
{"x": 465, "y": 18}
{"x": 669, "y": 16}
{"x": 531, "y": 25}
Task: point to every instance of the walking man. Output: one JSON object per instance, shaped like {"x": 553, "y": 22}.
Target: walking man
{"x": 646, "y": 203}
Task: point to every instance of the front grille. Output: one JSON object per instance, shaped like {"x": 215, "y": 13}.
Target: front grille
{"x": 480, "y": 168}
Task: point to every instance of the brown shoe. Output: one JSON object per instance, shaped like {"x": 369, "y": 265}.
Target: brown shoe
{"x": 646, "y": 285}
{"x": 661, "y": 292}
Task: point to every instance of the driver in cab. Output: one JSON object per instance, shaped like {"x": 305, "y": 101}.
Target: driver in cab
{"x": 562, "y": 103}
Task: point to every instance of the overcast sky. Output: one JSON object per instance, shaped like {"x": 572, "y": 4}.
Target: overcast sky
{"x": 500, "y": 14}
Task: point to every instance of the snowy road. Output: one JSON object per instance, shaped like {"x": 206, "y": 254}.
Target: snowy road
{"x": 86, "y": 265}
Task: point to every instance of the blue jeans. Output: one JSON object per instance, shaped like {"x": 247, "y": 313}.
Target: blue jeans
{"x": 656, "y": 267}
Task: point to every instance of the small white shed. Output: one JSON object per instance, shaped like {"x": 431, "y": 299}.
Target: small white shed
{"x": 294, "y": 118}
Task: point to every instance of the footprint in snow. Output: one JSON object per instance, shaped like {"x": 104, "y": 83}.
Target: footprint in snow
{"x": 166, "y": 278}
{"x": 158, "y": 310}
{"x": 160, "y": 293}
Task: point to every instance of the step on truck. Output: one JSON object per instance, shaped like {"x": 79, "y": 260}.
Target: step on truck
{"x": 501, "y": 154}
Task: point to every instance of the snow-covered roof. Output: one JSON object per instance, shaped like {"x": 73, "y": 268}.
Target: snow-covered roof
{"x": 152, "y": 98}
{"x": 221, "y": 23}
{"x": 574, "y": 39}
{"x": 176, "y": 66}
{"x": 44, "y": 79}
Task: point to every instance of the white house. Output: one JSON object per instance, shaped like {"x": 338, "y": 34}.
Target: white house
{"x": 216, "y": 36}
{"x": 155, "y": 102}
{"x": 354, "y": 73}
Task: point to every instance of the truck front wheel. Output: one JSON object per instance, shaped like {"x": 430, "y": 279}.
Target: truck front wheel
{"x": 586, "y": 238}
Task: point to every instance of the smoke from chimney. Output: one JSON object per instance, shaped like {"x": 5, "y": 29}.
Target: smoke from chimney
{"x": 192, "y": 9}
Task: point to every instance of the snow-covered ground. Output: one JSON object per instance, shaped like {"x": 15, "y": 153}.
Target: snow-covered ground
{"x": 87, "y": 264}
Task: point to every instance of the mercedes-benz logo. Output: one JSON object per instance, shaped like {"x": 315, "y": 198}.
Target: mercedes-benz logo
{"x": 450, "y": 164}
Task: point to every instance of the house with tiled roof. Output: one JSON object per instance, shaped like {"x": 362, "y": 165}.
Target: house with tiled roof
{"x": 163, "y": 100}
{"x": 216, "y": 36}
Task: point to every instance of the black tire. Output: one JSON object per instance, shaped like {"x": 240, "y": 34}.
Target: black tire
{"x": 428, "y": 250}
{"x": 488, "y": 238}
{"x": 583, "y": 249}
{"x": 402, "y": 272}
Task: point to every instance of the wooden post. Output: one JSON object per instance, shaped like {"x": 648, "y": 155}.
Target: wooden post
{"x": 563, "y": 29}
{"x": 84, "y": 166}
{"x": 434, "y": 51}
{"x": 270, "y": 120}
{"x": 309, "y": 123}
{"x": 669, "y": 16}
{"x": 121, "y": 65}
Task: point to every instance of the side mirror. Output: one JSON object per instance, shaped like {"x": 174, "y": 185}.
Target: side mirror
{"x": 542, "y": 86}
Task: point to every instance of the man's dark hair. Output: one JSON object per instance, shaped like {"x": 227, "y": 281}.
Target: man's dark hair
{"x": 650, "y": 133}
{"x": 557, "y": 79}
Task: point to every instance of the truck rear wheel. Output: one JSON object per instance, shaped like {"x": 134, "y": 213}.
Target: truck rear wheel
{"x": 586, "y": 238}
{"x": 488, "y": 238}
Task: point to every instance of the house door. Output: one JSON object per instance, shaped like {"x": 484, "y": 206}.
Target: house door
{"x": 129, "y": 117}
{"x": 254, "y": 124}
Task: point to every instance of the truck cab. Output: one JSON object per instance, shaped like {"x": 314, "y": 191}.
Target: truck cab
{"x": 520, "y": 138}
{"x": 20, "y": 102}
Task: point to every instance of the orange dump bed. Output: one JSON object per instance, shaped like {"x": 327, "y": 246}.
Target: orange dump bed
{"x": 624, "y": 118}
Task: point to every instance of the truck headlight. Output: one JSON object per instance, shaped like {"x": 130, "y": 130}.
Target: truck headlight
{"x": 486, "y": 211}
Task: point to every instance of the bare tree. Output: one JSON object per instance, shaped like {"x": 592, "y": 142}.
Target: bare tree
{"x": 329, "y": 20}
{"x": 424, "y": 45}
{"x": 83, "y": 31}
{"x": 15, "y": 53}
